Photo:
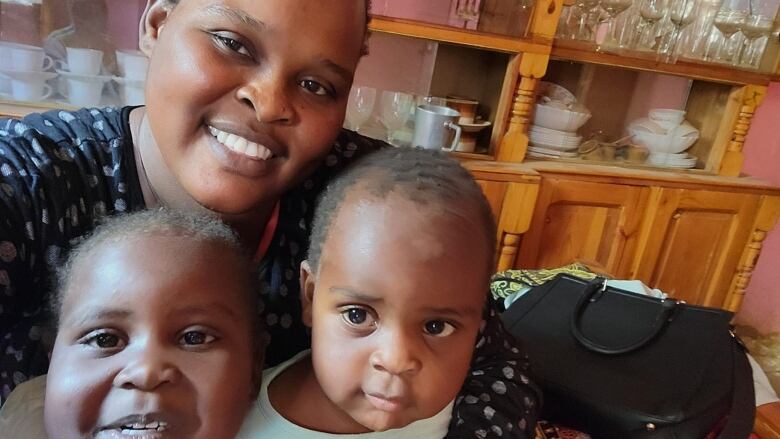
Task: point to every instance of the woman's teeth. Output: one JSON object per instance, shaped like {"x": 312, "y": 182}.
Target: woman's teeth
{"x": 241, "y": 145}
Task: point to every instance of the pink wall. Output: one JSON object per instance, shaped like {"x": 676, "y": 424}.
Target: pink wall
{"x": 123, "y": 28}
{"x": 762, "y": 159}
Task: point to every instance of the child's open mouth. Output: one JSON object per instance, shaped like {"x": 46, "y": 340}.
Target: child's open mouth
{"x": 134, "y": 426}
{"x": 241, "y": 145}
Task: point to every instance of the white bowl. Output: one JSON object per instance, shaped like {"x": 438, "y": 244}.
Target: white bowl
{"x": 667, "y": 117}
{"x": 647, "y": 125}
{"x": 542, "y": 130}
{"x": 563, "y": 140}
{"x": 558, "y": 118}
{"x": 662, "y": 143}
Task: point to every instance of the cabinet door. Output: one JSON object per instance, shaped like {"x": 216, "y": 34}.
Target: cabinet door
{"x": 692, "y": 241}
{"x": 583, "y": 221}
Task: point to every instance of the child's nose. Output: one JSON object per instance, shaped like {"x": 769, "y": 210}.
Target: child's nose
{"x": 147, "y": 370}
{"x": 397, "y": 355}
{"x": 268, "y": 96}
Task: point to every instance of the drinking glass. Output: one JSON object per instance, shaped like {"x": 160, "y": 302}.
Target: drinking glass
{"x": 728, "y": 21}
{"x": 360, "y": 106}
{"x": 613, "y": 8}
{"x": 681, "y": 14}
{"x": 755, "y": 27}
{"x": 586, "y": 9}
{"x": 650, "y": 11}
{"x": 394, "y": 110}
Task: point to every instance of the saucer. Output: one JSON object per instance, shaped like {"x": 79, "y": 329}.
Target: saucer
{"x": 126, "y": 81}
{"x": 27, "y": 75}
{"x": 474, "y": 127}
{"x": 80, "y": 77}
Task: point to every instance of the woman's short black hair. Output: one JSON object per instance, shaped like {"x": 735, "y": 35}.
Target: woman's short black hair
{"x": 424, "y": 177}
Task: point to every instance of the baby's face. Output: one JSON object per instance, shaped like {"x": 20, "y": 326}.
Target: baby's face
{"x": 155, "y": 341}
{"x": 397, "y": 306}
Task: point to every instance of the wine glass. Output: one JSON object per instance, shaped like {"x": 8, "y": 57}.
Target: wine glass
{"x": 394, "y": 110}
{"x": 586, "y": 9}
{"x": 755, "y": 27}
{"x": 650, "y": 11}
{"x": 360, "y": 106}
{"x": 613, "y": 8}
{"x": 728, "y": 21}
{"x": 681, "y": 14}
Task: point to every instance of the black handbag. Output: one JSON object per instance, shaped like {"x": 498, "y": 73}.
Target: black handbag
{"x": 616, "y": 364}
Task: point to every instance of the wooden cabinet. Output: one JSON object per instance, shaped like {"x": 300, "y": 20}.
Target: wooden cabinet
{"x": 583, "y": 221}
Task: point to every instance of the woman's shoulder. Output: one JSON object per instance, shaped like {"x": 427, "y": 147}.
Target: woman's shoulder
{"x": 99, "y": 124}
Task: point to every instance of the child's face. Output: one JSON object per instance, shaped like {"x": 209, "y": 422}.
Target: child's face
{"x": 274, "y": 72}
{"x": 397, "y": 305}
{"x": 153, "y": 332}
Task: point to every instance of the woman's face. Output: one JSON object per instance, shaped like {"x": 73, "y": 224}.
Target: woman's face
{"x": 245, "y": 97}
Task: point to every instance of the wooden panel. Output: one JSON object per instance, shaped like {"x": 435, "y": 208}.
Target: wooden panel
{"x": 692, "y": 242}
{"x": 583, "y": 221}
{"x": 494, "y": 192}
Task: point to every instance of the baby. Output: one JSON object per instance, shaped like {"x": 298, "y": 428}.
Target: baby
{"x": 394, "y": 290}
{"x": 158, "y": 335}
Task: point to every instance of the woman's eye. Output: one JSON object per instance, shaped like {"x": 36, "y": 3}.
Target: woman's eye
{"x": 358, "y": 317}
{"x": 315, "y": 88}
{"x": 439, "y": 328}
{"x": 104, "y": 340}
{"x": 232, "y": 44}
{"x": 194, "y": 338}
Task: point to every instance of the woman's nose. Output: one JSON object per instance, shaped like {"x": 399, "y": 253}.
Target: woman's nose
{"x": 147, "y": 369}
{"x": 268, "y": 96}
{"x": 398, "y": 355}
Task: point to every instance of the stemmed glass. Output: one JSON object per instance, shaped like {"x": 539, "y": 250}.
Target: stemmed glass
{"x": 586, "y": 9}
{"x": 728, "y": 21}
{"x": 650, "y": 11}
{"x": 613, "y": 8}
{"x": 755, "y": 27}
{"x": 360, "y": 106}
{"x": 681, "y": 14}
{"x": 394, "y": 110}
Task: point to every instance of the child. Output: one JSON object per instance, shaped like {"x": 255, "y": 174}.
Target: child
{"x": 394, "y": 290}
{"x": 157, "y": 332}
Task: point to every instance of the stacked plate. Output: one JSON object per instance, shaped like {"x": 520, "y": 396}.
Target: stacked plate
{"x": 547, "y": 142}
{"x": 681, "y": 160}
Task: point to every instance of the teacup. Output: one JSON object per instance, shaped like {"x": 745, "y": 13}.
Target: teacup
{"x": 133, "y": 92}
{"x": 28, "y": 58}
{"x": 132, "y": 65}
{"x": 84, "y": 61}
{"x": 85, "y": 91}
{"x": 30, "y": 89}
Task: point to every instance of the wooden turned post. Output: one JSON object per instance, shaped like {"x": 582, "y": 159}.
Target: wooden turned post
{"x": 507, "y": 253}
{"x": 731, "y": 165}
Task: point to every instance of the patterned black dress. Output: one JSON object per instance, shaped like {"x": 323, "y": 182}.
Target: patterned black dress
{"x": 60, "y": 172}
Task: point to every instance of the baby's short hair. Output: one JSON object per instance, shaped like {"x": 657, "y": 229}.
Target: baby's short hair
{"x": 425, "y": 177}
{"x": 159, "y": 222}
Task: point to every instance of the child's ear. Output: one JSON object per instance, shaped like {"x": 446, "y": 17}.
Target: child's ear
{"x": 308, "y": 282}
{"x": 152, "y": 21}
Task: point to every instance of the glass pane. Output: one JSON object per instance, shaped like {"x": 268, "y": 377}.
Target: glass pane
{"x": 78, "y": 53}
{"x": 504, "y": 17}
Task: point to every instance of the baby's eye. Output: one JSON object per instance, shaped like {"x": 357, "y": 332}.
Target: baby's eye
{"x": 232, "y": 44}
{"x": 315, "y": 87}
{"x": 102, "y": 339}
{"x": 195, "y": 338}
{"x": 438, "y": 328}
{"x": 358, "y": 317}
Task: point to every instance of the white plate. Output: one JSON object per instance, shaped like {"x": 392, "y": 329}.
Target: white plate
{"x": 555, "y": 147}
{"x": 547, "y": 151}
{"x": 474, "y": 127}
{"x": 553, "y": 141}
{"x": 22, "y": 75}
{"x": 123, "y": 80}
{"x": 543, "y": 130}
{"x": 86, "y": 78}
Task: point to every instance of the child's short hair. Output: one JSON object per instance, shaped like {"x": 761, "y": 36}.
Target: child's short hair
{"x": 425, "y": 177}
{"x": 159, "y": 222}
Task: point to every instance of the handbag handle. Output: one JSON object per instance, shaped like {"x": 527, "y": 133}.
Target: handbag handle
{"x": 599, "y": 285}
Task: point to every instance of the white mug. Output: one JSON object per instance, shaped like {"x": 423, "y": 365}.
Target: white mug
{"x": 133, "y": 93}
{"x": 435, "y": 127}
{"x": 84, "y": 61}
{"x": 84, "y": 93}
{"x": 30, "y": 90}
{"x": 132, "y": 65}
{"x": 29, "y": 59}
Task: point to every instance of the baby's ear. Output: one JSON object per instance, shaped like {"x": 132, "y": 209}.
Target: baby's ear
{"x": 152, "y": 21}
{"x": 308, "y": 282}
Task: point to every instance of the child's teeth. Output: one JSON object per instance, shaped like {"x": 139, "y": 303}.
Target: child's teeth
{"x": 241, "y": 145}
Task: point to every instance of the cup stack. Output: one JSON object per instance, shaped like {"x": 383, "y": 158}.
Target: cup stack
{"x": 133, "y": 66}
{"x": 23, "y": 72}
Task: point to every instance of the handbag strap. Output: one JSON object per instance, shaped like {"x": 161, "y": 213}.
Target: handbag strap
{"x": 599, "y": 285}
{"x": 740, "y": 420}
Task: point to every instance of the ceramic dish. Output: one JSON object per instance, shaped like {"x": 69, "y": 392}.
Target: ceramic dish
{"x": 21, "y": 75}
{"x": 559, "y": 118}
{"x": 86, "y": 78}
{"x": 474, "y": 127}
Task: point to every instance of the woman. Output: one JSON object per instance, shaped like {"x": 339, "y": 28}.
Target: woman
{"x": 245, "y": 102}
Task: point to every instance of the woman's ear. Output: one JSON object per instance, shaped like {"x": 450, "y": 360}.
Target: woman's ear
{"x": 308, "y": 282}
{"x": 151, "y": 24}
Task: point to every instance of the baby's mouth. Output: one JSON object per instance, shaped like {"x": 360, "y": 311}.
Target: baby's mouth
{"x": 241, "y": 145}
{"x": 141, "y": 426}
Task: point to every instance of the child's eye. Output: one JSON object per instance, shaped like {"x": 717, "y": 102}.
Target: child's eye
{"x": 102, "y": 339}
{"x": 195, "y": 338}
{"x": 315, "y": 88}
{"x": 232, "y": 44}
{"x": 438, "y": 328}
{"x": 358, "y": 317}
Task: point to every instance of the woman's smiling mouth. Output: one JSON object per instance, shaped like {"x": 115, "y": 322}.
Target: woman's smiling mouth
{"x": 241, "y": 145}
